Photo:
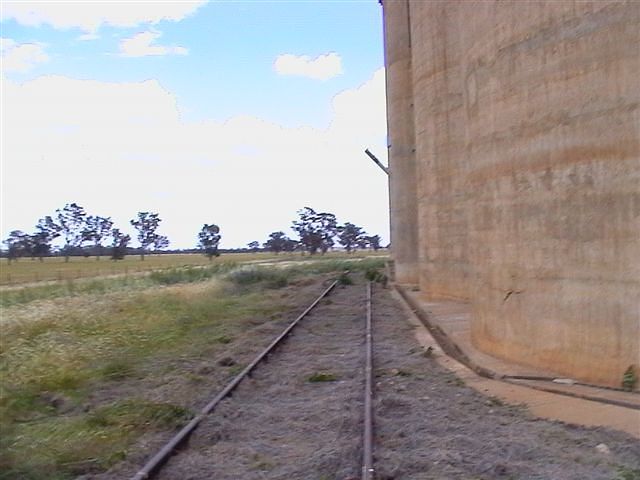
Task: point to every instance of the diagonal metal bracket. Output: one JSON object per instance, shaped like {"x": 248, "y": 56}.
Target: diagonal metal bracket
{"x": 376, "y": 161}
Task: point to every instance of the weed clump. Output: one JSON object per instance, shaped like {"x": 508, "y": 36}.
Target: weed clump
{"x": 373, "y": 274}
{"x": 455, "y": 380}
{"x": 267, "y": 277}
{"x": 322, "y": 377}
{"x": 629, "y": 378}
{"x": 428, "y": 352}
{"x": 494, "y": 401}
{"x": 345, "y": 279}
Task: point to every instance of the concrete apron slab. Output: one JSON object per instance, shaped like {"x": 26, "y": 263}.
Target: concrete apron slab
{"x": 450, "y": 324}
{"x": 541, "y": 403}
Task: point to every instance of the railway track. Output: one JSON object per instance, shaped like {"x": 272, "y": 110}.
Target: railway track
{"x": 301, "y": 409}
{"x": 307, "y": 414}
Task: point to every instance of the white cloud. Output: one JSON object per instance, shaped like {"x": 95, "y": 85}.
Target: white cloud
{"x": 90, "y": 15}
{"x": 143, "y": 44}
{"x": 323, "y": 67}
{"x": 20, "y": 57}
{"x": 88, "y": 36}
{"x": 121, "y": 148}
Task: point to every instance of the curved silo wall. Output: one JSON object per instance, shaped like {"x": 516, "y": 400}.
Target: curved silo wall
{"x": 526, "y": 126}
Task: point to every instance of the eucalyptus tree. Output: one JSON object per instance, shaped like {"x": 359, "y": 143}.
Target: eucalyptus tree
{"x": 96, "y": 230}
{"x": 70, "y": 221}
{"x": 146, "y": 224}
{"x": 208, "y": 240}
{"x": 47, "y": 230}
{"x": 351, "y": 236}
{"x": 316, "y": 230}
{"x": 17, "y": 245}
{"x": 119, "y": 244}
{"x": 374, "y": 242}
{"x": 279, "y": 242}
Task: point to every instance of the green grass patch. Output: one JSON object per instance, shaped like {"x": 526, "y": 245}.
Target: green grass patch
{"x": 625, "y": 473}
{"x": 66, "y": 446}
{"x": 51, "y": 362}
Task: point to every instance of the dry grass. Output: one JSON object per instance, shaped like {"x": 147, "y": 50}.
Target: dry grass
{"x": 54, "y": 356}
{"x": 56, "y": 269}
{"x": 63, "y": 342}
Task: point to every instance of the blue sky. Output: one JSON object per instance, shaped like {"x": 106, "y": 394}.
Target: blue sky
{"x": 238, "y": 113}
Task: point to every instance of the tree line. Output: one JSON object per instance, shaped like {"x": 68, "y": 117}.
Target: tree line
{"x": 84, "y": 234}
{"x": 318, "y": 232}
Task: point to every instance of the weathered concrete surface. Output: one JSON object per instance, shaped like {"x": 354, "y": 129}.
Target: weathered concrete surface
{"x": 526, "y": 121}
{"x": 401, "y": 144}
{"x": 541, "y": 403}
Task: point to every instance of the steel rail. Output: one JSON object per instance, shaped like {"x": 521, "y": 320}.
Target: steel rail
{"x": 152, "y": 466}
{"x": 367, "y": 451}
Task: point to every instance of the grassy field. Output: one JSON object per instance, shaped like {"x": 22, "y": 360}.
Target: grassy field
{"x": 85, "y": 365}
{"x": 27, "y": 270}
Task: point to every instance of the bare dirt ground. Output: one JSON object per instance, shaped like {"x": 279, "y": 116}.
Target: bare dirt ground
{"x": 428, "y": 424}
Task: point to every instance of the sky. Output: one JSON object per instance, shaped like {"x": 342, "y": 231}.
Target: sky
{"x": 238, "y": 113}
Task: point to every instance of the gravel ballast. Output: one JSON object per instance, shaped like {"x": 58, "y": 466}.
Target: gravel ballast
{"x": 299, "y": 416}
